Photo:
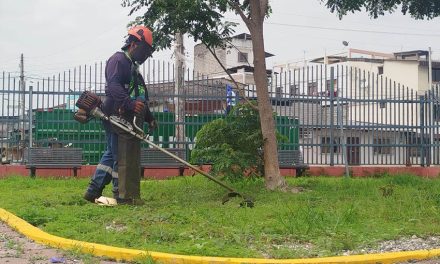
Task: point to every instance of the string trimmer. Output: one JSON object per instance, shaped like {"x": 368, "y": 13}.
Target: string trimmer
{"x": 89, "y": 105}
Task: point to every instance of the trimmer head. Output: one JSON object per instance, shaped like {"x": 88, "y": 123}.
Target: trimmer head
{"x": 247, "y": 202}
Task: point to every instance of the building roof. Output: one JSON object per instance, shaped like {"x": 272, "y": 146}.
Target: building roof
{"x": 244, "y": 36}
{"x": 339, "y": 59}
{"x": 398, "y": 56}
{"x": 246, "y": 68}
{"x": 435, "y": 64}
{"x": 411, "y": 53}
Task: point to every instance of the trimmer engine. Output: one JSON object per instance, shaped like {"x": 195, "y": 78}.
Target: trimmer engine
{"x": 88, "y": 101}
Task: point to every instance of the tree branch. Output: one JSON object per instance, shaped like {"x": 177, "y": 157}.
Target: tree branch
{"x": 241, "y": 91}
{"x": 237, "y": 8}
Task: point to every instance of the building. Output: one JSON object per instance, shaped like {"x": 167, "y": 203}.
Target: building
{"x": 237, "y": 58}
{"x": 392, "y": 114}
{"x": 410, "y": 68}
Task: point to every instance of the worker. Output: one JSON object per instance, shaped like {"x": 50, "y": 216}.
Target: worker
{"x": 126, "y": 97}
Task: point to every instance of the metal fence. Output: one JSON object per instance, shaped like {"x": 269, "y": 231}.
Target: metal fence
{"x": 333, "y": 114}
{"x": 362, "y": 118}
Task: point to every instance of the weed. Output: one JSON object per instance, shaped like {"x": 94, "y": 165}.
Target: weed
{"x": 15, "y": 246}
{"x": 387, "y": 190}
{"x": 36, "y": 259}
{"x": 145, "y": 259}
{"x": 77, "y": 253}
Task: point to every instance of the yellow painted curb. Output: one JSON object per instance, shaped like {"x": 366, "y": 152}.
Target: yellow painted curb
{"x": 131, "y": 254}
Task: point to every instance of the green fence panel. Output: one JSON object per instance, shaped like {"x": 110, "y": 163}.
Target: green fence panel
{"x": 59, "y": 127}
{"x": 289, "y": 127}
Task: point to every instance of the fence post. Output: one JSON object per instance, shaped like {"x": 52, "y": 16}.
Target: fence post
{"x": 343, "y": 138}
{"x": 431, "y": 125}
{"x": 30, "y": 120}
{"x": 422, "y": 130}
{"x": 332, "y": 117}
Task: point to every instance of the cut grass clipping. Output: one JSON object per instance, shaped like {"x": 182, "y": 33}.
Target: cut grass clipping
{"x": 185, "y": 215}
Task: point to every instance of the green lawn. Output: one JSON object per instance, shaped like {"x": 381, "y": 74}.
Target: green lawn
{"x": 185, "y": 215}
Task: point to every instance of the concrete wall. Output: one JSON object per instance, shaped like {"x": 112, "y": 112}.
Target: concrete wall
{"x": 205, "y": 63}
{"x": 423, "y": 78}
{"x": 404, "y": 72}
{"x": 371, "y": 67}
{"x": 241, "y": 45}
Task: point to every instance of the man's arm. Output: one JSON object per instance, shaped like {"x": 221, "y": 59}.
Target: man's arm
{"x": 116, "y": 88}
{"x": 148, "y": 115}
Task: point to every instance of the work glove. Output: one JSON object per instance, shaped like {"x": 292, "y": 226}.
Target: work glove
{"x": 139, "y": 107}
{"x": 152, "y": 125}
{"x": 81, "y": 116}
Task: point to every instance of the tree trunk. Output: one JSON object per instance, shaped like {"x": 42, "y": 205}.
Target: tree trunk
{"x": 272, "y": 176}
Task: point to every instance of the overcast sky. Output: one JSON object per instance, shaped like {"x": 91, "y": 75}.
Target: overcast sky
{"x": 56, "y": 35}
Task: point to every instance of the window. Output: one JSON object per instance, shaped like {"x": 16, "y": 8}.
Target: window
{"x": 385, "y": 148}
{"x": 326, "y": 146}
{"x": 417, "y": 146}
{"x": 294, "y": 90}
{"x": 242, "y": 57}
{"x": 436, "y": 75}
{"x": 328, "y": 87}
{"x": 305, "y": 133}
{"x": 278, "y": 92}
{"x": 312, "y": 88}
{"x": 380, "y": 70}
{"x": 383, "y": 105}
{"x": 436, "y": 112}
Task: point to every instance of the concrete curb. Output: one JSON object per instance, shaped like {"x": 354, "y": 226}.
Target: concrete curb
{"x": 131, "y": 254}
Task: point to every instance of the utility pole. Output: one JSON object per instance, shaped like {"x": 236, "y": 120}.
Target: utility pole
{"x": 179, "y": 104}
{"x": 22, "y": 88}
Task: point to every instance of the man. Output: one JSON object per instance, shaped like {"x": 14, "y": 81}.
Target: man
{"x": 231, "y": 99}
{"x": 126, "y": 97}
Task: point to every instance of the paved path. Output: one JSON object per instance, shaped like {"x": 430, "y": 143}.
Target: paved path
{"x": 17, "y": 249}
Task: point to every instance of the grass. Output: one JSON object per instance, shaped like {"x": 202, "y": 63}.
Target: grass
{"x": 185, "y": 215}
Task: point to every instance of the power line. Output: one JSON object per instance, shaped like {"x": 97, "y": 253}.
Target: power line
{"x": 354, "y": 30}
{"x": 356, "y": 22}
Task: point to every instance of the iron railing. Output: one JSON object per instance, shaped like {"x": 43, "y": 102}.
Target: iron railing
{"x": 333, "y": 114}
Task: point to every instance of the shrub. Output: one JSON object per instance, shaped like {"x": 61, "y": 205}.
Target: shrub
{"x": 232, "y": 145}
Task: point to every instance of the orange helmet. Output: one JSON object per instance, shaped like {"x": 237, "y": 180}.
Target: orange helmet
{"x": 142, "y": 33}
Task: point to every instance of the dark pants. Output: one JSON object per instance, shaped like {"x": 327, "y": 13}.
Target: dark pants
{"x": 129, "y": 170}
{"x": 120, "y": 164}
{"x": 107, "y": 169}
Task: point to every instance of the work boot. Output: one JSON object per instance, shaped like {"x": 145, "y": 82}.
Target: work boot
{"x": 90, "y": 196}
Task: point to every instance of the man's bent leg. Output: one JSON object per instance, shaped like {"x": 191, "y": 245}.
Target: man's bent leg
{"x": 104, "y": 170}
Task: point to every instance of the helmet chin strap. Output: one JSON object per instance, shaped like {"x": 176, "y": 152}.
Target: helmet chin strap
{"x": 127, "y": 54}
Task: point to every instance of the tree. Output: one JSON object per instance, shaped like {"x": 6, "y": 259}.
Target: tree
{"x": 419, "y": 9}
{"x": 203, "y": 20}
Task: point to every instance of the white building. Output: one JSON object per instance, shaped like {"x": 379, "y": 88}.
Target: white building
{"x": 409, "y": 68}
{"x": 389, "y": 108}
{"x": 237, "y": 58}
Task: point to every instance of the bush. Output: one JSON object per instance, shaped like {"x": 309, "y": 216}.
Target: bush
{"x": 233, "y": 145}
